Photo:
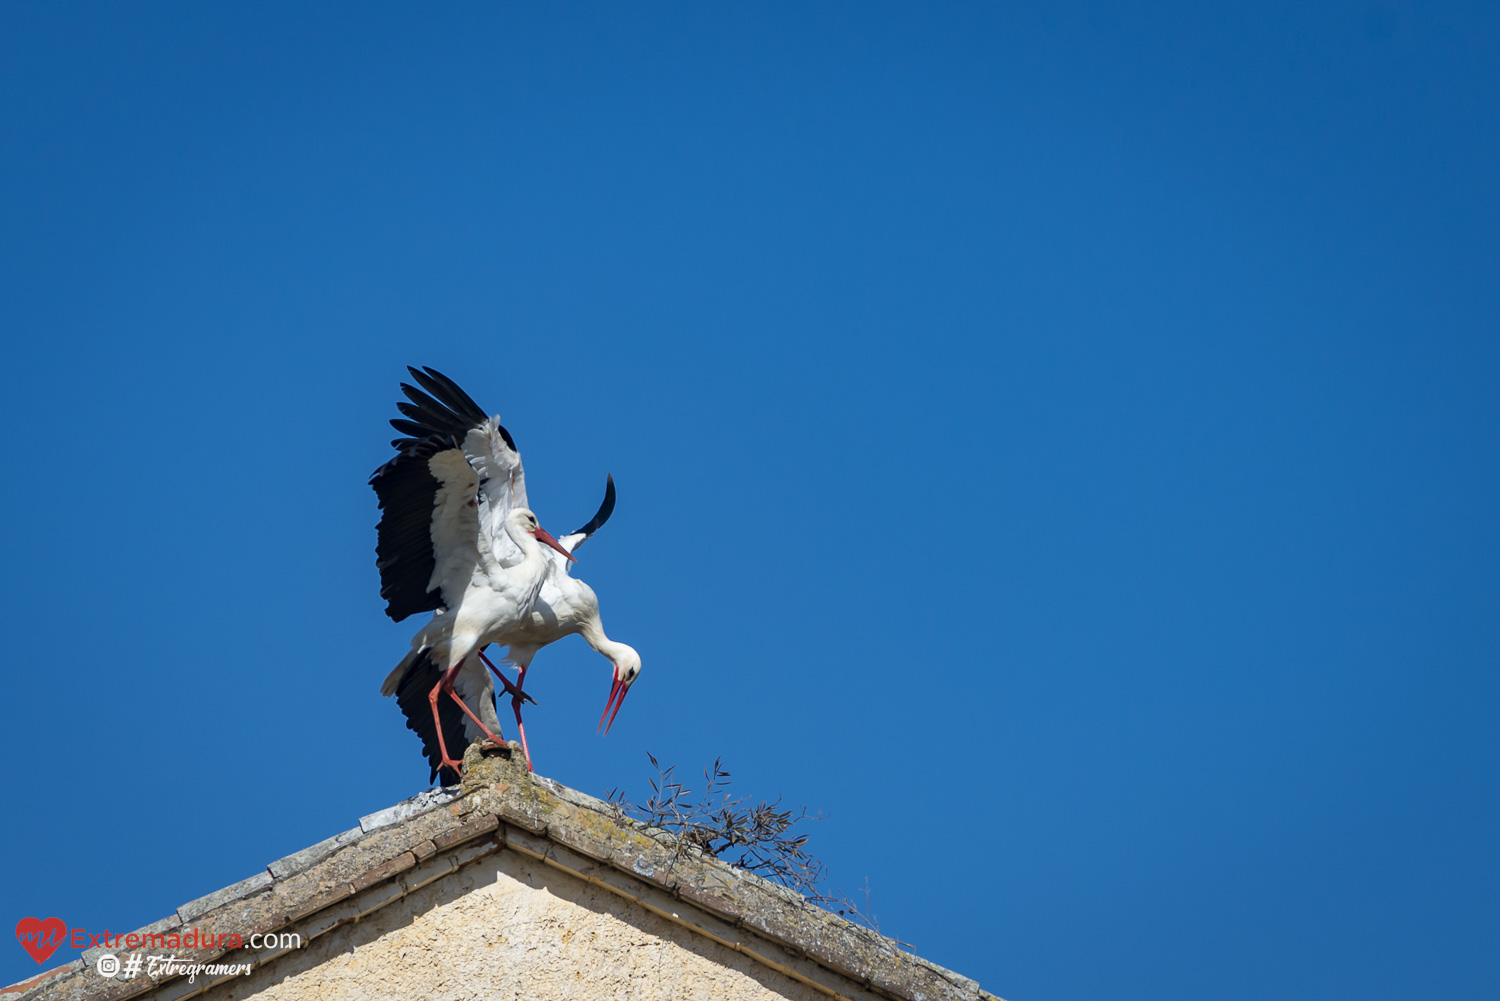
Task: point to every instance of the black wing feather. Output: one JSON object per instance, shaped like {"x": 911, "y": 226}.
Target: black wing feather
{"x": 407, "y": 491}
{"x": 448, "y": 413}
{"x": 433, "y": 416}
{"x": 410, "y": 428}
{"x": 447, "y": 392}
{"x": 411, "y": 695}
{"x": 605, "y": 510}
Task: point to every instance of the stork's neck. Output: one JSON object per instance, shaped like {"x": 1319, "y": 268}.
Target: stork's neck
{"x": 592, "y": 632}
{"x": 533, "y": 562}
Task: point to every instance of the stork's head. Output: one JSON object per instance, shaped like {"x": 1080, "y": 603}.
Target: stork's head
{"x": 627, "y": 668}
{"x": 523, "y": 521}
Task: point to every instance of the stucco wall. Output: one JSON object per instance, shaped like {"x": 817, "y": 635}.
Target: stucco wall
{"x": 510, "y": 927}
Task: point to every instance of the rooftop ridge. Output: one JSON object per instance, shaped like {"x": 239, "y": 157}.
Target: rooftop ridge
{"x": 501, "y": 806}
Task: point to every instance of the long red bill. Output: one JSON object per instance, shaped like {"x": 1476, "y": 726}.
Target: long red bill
{"x": 545, "y": 537}
{"x": 618, "y": 689}
{"x": 624, "y": 691}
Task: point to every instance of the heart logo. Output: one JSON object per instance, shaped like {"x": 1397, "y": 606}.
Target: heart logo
{"x": 41, "y": 938}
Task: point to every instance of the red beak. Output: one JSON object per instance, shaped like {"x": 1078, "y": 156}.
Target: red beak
{"x": 545, "y": 537}
{"x": 617, "y": 699}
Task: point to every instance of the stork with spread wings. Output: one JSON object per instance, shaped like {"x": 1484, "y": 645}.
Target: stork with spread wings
{"x": 452, "y": 539}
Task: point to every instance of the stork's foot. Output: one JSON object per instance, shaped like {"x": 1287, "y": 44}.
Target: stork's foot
{"x": 516, "y": 695}
{"x": 445, "y": 684}
{"x": 513, "y": 690}
{"x": 517, "y": 698}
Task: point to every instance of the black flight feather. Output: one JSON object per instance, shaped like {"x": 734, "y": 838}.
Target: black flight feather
{"x": 431, "y": 415}
{"x": 407, "y": 492}
{"x": 410, "y": 428}
{"x": 447, "y": 392}
{"x": 411, "y": 696}
{"x": 605, "y": 510}
{"x": 440, "y": 413}
{"x": 448, "y": 412}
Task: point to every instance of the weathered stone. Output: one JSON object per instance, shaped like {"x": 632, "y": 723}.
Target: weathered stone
{"x": 25, "y": 986}
{"x": 489, "y": 843}
{"x": 203, "y": 905}
{"x": 297, "y": 861}
{"x": 486, "y": 763}
{"x": 316, "y": 902}
{"x": 419, "y": 804}
{"x": 478, "y": 827}
{"x": 384, "y": 871}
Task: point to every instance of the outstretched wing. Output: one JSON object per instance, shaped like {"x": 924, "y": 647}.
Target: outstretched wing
{"x": 451, "y": 415}
{"x": 427, "y": 541}
{"x": 442, "y": 411}
{"x": 444, "y": 499}
{"x": 573, "y": 540}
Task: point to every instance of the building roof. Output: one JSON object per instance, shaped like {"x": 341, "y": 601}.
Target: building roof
{"x": 502, "y": 807}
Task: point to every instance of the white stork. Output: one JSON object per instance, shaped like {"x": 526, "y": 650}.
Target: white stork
{"x": 566, "y": 606}
{"x": 456, "y": 537}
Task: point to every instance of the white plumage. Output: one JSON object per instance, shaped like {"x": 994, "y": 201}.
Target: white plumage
{"x": 456, "y": 537}
{"x": 566, "y": 606}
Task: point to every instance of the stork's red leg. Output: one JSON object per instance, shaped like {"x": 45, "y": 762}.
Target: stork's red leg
{"x": 516, "y": 698}
{"x": 477, "y": 721}
{"x": 446, "y": 684}
{"x": 513, "y": 690}
{"x": 437, "y": 724}
{"x": 515, "y": 703}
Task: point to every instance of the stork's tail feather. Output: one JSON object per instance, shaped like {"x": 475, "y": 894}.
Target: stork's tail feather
{"x": 411, "y": 682}
{"x": 393, "y": 680}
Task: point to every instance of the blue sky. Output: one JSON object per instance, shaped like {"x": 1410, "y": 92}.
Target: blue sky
{"x": 1058, "y": 443}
